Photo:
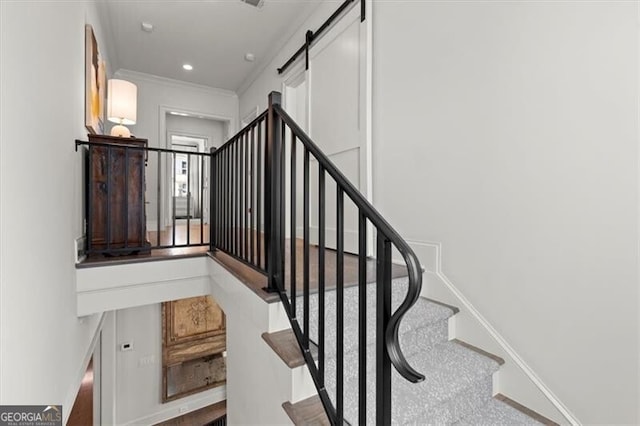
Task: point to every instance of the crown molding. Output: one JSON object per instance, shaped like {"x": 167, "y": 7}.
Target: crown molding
{"x": 175, "y": 83}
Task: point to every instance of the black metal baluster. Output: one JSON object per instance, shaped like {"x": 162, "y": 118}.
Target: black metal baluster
{"x": 383, "y": 313}
{"x": 283, "y": 196}
{"x": 252, "y": 209}
{"x": 246, "y": 197}
{"x": 219, "y": 203}
{"x": 321, "y": 269}
{"x": 213, "y": 201}
{"x": 90, "y": 193}
{"x": 234, "y": 202}
{"x": 202, "y": 200}
{"x": 173, "y": 200}
{"x": 362, "y": 317}
{"x": 189, "y": 197}
{"x": 305, "y": 247}
{"x": 259, "y": 188}
{"x": 227, "y": 200}
{"x": 158, "y": 197}
{"x": 340, "y": 307}
{"x": 292, "y": 255}
{"x": 267, "y": 197}
{"x": 238, "y": 187}
{"x": 240, "y": 196}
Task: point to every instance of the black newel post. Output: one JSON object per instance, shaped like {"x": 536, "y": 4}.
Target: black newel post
{"x": 274, "y": 197}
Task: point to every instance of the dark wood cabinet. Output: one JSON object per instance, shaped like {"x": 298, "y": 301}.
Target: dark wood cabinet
{"x": 116, "y": 218}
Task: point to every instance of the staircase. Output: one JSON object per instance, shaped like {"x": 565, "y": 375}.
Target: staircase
{"x": 458, "y": 377}
{"x": 376, "y": 352}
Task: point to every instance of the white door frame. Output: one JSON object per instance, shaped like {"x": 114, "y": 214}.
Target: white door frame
{"x": 298, "y": 71}
{"x": 165, "y": 192}
{"x": 202, "y": 143}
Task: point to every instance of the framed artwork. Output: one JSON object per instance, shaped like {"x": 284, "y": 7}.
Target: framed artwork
{"x": 194, "y": 342}
{"x": 95, "y": 85}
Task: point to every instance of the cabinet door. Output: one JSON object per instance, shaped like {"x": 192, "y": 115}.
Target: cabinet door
{"x": 116, "y": 191}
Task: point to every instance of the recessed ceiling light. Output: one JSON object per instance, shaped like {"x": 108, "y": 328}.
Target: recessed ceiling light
{"x": 187, "y": 67}
{"x": 249, "y": 57}
{"x": 147, "y": 26}
{"x": 256, "y": 3}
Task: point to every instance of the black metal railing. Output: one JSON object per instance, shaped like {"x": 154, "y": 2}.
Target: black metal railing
{"x": 267, "y": 180}
{"x": 241, "y": 195}
{"x": 140, "y": 198}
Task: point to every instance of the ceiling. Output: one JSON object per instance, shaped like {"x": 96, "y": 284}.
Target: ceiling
{"x": 211, "y": 35}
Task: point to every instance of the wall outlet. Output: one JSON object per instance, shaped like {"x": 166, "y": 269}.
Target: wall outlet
{"x": 146, "y": 361}
{"x": 79, "y": 248}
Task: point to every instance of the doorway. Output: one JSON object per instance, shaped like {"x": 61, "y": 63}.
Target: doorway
{"x": 331, "y": 103}
{"x": 187, "y": 176}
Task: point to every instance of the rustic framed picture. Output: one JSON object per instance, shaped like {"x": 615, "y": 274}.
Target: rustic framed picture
{"x": 95, "y": 85}
{"x": 194, "y": 344}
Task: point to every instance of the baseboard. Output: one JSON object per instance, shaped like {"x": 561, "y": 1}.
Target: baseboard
{"x": 177, "y": 408}
{"x": 430, "y": 255}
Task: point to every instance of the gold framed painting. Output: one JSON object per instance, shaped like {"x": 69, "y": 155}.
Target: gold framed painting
{"x": 95, "y": 85}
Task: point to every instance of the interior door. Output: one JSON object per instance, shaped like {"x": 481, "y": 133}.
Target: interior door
{"x": 186, "y": 186}
{"x": 337, "y": 120}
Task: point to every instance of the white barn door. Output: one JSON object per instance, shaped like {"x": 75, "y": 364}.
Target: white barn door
{"x": 338, "y": 111}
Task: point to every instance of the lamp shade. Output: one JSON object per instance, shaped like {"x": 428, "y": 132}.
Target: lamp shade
{"x": 121, "y": 103}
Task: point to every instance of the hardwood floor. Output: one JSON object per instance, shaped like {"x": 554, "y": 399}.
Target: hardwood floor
{"x": 248, "y": 275}
{"x": 197, "y": 234}
{"x": 82, "y": 411}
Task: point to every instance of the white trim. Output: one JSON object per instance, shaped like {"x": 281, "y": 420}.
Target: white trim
{"x": 71, "y": 397}
{"x": 499, "y": 339}
{"x": 368, "y": 114}
{"x": 173, "y": 410}
{"x": 175, "y": 83}
{"x": 163, "y": 142}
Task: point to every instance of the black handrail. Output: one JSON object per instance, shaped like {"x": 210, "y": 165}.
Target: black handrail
{"x": 248, "y": 184}
{"x": 413, "y": 265}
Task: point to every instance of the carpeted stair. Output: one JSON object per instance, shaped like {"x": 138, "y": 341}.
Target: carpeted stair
{"x": 458, "y": 379}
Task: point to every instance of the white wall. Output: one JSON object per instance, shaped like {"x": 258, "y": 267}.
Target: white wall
{"x": 517, "y": 124}
{"x": 44, "y": 347}
{"x": 156, "y": 92}
{"x": 156, "y": 97}
{"x": 254, "y": 93}
{"x": 139, "y": 383}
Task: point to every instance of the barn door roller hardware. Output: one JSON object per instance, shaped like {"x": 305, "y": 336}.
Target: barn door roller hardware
{"x": 310, "y": 36}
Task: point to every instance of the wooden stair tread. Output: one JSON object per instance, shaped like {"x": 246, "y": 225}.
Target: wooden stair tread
{"x": 307, "y": 412}
{"x": 253, "y": 279}
{"x": 529, "y": 412}
{"x": 476, "y": 349}
{"x": 285, "y": 345}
